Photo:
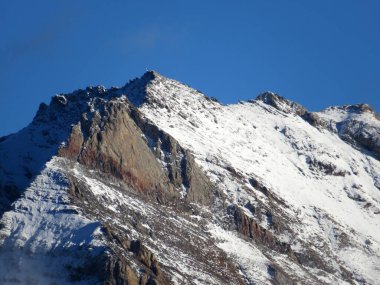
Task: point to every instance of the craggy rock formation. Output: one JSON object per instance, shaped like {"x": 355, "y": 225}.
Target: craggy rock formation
{"x": 112, "y": 143}
{"x": 120, "y": 142}
{"x": 281, "y": 104}
{"x": 352, "y": 125}
{"x": 115, "y": 268}
{"x": 360, "y": 132}
{"x": 179, "y": 163}
{"x": 357, "y": 124}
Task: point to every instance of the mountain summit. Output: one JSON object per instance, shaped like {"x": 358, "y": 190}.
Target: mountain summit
{"x": 156, "y": 183}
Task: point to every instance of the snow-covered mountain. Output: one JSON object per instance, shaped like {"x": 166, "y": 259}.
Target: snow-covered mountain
{"x": 156, "y": 183}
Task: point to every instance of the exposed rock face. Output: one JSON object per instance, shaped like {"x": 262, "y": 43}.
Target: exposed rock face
{"x": 314, "y": 120}
{"x": 122, "y": 143}
{"x": 112, "y": 143}
{"x": 360, "y": 109}
{"x": 351, "y": 126}
{"x": 361, "y": 134}
{"x": 119, "y": 142}
{"x": 137, "y": 91}
{"x": 281, "y": 104}
{"x": 357, "y": 124}
{"x": 250, "y": 227}
{"x": 119, "y": 273}
{"x": 179, "y": 163}
{"x": 159, "y": 232}
{"x": 115, "y": 268}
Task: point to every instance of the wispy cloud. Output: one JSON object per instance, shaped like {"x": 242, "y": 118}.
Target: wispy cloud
{"x": 149, "y": 37}
{"x": 37, "y": 40}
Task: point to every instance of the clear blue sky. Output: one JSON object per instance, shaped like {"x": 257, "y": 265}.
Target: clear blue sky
{"x": 318, "y": 53}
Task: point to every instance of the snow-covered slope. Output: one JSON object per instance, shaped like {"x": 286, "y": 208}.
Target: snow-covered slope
{"x": 330, "y": 189}
{"x": 357, "y": 124}
{"x": 173, "y": 187}
{"x": 43, "y": 222}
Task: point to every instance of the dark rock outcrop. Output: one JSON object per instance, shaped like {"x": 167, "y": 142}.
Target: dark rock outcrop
{"x": 137, "y": 88}
{"x": 252, "y": 229}
{"x": 281, "y": 104}
{"x": 357, "y": 132}
{"x": 113, "y": 144}
{"x": 360, "y": 134}
{"x": 120, "y": 143}
{"x": 181, "y": 167}
{"x": 314, "y": 120}
{"x": 119, "y": 273}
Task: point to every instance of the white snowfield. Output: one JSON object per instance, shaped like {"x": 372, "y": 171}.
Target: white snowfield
{"x": 44, "y": 234}
{"x": 330, "y": 192}
{"x": 276, "y": 148}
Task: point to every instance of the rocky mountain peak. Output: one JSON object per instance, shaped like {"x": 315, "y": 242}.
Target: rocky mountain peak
{"x": 155, "y": 183}
{"x": 281, "y": 103}
{"x": 357, "y": 124}
{"x": 360, "y": 108}
{"x": 152, "y": 74}
{"x": 137, "y": 89}
{"x": 269, "y": 97}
